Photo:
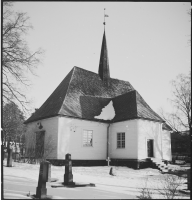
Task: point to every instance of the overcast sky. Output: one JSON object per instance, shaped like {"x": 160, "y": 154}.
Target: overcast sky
{"x": 148, "y": 44}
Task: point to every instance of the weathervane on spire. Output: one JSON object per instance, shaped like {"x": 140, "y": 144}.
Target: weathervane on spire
{"x": 105, "y": 16}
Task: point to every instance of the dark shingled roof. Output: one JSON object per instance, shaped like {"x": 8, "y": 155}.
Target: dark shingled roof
{"x": 104, "y": 71}
{"x": 82, "y": 94}
{"x": 144, "y": 111}
{"x": 125, "y": 106}
{"x": 53, "y": 104}
{"x": 132, "y": 106}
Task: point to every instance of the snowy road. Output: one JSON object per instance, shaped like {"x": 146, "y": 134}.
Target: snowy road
{"x": 18, "y": 188}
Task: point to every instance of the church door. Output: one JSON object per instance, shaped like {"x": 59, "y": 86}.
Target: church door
{"x": 39, "y": 149}
{"x": 150, "y": 148}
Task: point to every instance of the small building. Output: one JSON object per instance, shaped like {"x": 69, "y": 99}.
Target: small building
{"x": 93, "y": 116}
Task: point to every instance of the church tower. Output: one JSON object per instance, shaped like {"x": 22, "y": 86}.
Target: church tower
{"x": 104, "y": 61}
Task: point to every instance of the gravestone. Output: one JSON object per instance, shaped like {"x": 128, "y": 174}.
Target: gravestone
{"x": 9, "y": 158}
{"x": 68, "y": 176}
{"x": 41, "y": 191}
{"x": 111, "y": 172}
{"x": 108, "y": 160}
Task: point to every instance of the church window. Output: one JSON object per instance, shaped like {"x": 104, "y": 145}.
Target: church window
{"x": 121, "y": 140}
{"x": 87, "y": 138}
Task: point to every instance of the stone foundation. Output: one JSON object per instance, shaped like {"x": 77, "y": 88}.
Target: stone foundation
{"x": 132, "y": 163}
{"x": 58, "y": 162}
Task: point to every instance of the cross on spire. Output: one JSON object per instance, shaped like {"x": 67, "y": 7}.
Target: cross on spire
{"x": 104, "y": 17}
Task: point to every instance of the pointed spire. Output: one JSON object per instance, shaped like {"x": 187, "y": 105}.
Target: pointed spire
{"x": 104, "y": 62}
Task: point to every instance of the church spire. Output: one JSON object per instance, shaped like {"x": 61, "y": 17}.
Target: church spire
{"x": 104, "y": 62}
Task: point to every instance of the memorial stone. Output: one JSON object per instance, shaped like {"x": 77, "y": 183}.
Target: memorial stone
{"x": 111, "y": 172}
{"x": 68, "y": 176}
{"x": 41, "y": 191}
{"x": 9, "y": 158}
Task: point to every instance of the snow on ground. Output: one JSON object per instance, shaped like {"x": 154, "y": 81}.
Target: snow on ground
{"x": 126, "y": 180}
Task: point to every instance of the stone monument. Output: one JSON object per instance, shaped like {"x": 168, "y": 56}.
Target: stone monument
{"x": 111, "y": 172}
{"x": 9, "y": 157}
{"x": 44, "y": 176}
{"x": 68, "y": 176}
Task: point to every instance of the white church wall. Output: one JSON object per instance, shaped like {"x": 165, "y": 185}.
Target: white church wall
{"x": 50, "y": 126}
{"x": 130, "y": 150}
{"x": 70, "y": 139}
{"x": 149, "y": 130}
{"x": 166, "y": 145}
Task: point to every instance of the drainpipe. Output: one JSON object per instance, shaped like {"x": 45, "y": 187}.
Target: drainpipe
{"x": 108, "y": 141}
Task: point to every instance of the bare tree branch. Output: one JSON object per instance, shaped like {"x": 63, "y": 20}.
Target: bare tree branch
{"x": 17, "y": 60}
{"x": 180, "y": 119}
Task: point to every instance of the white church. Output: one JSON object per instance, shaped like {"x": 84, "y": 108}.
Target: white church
{"x": 93, "y": 116}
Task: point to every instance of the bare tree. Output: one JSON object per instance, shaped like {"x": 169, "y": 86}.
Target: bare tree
{"x": 167, "y": 188}
{"x": 180, "y": 118}
{"x": 145, "y": 192}
{"x": 170, "y": 186}
{"x": 17, "y": 60}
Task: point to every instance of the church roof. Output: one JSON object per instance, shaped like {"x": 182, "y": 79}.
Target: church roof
{"x": 82, "y": 94}
{"x": 104, "y": 72}
{"x": 127, "y": 106}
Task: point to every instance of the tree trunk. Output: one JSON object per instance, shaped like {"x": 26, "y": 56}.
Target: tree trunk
{"x": 15, "y": 149}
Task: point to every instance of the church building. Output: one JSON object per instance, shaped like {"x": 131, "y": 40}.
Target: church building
{"x": 94, "y": 117}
